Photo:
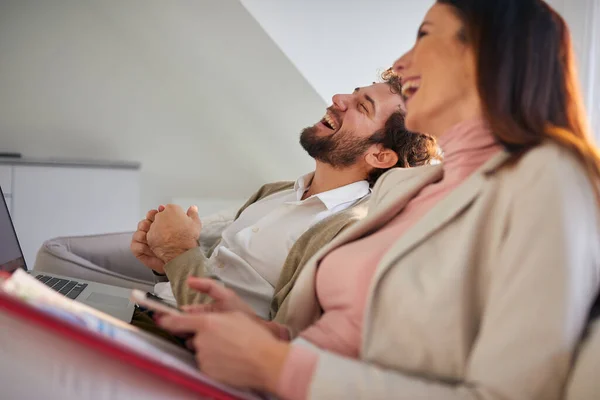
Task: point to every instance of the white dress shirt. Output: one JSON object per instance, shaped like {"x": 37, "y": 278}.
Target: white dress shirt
{"x": 254, "y": 247}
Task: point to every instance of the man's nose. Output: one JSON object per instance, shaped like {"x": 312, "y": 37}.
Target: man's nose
{"x": 341, "y": 101}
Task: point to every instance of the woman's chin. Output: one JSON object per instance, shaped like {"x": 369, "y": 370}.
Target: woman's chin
{"x": 422, "y": 120}
{"x": 413, "y": 122}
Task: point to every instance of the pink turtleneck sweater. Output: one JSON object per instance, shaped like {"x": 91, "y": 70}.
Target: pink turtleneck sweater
{"x": 344, "y": 275}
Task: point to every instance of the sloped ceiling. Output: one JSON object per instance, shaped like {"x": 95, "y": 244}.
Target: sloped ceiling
{"x": 340, "y": 44}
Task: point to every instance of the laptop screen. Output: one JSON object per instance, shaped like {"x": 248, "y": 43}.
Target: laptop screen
{"x": 11, "y": 256}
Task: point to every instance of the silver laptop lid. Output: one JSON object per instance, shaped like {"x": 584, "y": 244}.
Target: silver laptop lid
{"x": 11, "y": 256}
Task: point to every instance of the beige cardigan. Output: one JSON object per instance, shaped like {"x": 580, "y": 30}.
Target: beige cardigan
{"x": 484, "y": 298}
{"x": 193, "y": 261}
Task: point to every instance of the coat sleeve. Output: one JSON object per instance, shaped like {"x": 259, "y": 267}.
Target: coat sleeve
{"x": 541, "y": 288}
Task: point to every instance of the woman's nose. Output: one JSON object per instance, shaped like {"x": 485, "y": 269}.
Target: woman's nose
{"x": 402, "y": 63}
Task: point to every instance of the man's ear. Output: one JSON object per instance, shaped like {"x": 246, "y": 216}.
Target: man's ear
{"x": 380, "y": 157}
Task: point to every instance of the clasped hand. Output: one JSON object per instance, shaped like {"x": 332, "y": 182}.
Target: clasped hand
{"x": 165, "y": 234}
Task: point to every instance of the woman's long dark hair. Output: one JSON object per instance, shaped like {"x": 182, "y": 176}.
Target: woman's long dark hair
{"x": 526, "y": 76}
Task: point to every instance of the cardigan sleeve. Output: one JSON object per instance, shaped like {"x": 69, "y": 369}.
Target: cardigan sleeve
{"x": 191, "y": 263}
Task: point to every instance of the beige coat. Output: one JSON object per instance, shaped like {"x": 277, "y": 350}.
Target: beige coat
{"x": 484, "y": 298}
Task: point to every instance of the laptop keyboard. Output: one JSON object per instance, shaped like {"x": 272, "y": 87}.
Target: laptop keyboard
{"x": 71, "y": 289}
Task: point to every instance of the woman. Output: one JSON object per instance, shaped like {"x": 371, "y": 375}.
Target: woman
{"x": 470, "y": 279}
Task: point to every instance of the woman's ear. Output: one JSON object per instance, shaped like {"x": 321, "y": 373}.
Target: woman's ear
{"x": 381, "y": 158}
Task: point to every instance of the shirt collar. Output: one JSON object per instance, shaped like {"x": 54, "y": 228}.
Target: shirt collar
{"x": 302, "y": 184}
{"x": 335, "y": 197}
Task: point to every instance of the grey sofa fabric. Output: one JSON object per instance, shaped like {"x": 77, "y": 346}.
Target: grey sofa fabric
{"x": 99, "y": 258}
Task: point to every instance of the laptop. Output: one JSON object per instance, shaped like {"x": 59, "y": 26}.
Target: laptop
{"x": 113, "y": 300}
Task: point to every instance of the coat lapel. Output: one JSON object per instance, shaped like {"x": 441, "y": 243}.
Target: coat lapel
{"x": 438, "y": 216}
{"x": 386, "y": 202}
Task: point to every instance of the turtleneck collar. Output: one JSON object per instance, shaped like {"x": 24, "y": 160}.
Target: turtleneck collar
{"x": 466, "y": 147}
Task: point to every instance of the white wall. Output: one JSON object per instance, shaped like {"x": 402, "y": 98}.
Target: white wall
{"x": 593, "y": 65}
{"x": 583, "y": 17}
{"x": 193, "y": 89}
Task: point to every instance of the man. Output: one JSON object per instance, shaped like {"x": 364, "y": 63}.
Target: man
{"x": 261, "y": 253}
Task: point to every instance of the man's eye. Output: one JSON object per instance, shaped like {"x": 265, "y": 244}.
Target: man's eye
{"x": 364, "y": 108}
{"x": 421, "y": 34}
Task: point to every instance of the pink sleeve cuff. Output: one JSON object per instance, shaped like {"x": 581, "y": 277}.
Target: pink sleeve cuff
{"x": 297, "y": 373}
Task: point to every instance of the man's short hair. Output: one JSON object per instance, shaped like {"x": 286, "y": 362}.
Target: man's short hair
{"x": 413, "y": 149}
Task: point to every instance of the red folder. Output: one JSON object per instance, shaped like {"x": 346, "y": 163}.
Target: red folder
{"x": 105, "y": 347}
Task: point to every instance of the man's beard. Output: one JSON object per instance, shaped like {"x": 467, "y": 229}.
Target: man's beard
{"x": 339, "y": 150}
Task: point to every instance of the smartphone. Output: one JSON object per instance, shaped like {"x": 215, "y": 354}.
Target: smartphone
{"x": 153, "y": 302}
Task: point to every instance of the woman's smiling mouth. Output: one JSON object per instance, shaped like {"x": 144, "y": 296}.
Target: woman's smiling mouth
{"x": 410, "y": 88}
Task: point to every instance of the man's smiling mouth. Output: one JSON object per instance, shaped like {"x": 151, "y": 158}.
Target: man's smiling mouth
{"x": 329, "y": 121}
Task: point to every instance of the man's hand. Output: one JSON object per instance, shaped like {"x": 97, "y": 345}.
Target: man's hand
{"x": 233, "y": 348}
{"x": 174, "y": 232}
{"x": 139, "y": 244}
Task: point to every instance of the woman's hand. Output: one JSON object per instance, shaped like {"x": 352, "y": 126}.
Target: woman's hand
{"x": 233, "y": 348}
{"x": 224, "y": 299}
